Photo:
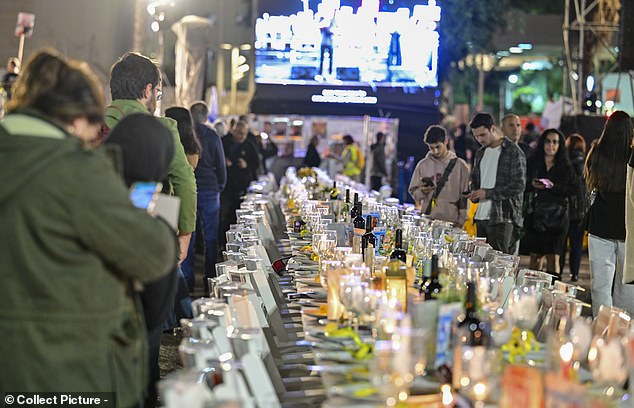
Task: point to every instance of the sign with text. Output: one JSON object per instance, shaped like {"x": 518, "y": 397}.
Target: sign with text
{"x": 25, "y": 24}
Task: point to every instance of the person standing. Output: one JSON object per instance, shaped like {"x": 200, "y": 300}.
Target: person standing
{"x": 242, "y": 163}
{"x": 326, "y": 45}
{"x": 350, "y": 158}
{"x": 9, "y": 78}
{"x": 379, "y": 170}
{"x": 211, "y": 176}
{"x": 605, "y": 173}
{"x": 312, "y": 158}
{"x": 551, "y": 182}
{"x": 576, "y": 148}
{"x": 512, "y": 128}
{"x": 439, "y": 180}
{"x": 135, "y": 86}
{"x": 147, "y": 149}
{"x": 72, "y": 243}
{"x": 187, "y": 133}
{"x": 498, "y": 179}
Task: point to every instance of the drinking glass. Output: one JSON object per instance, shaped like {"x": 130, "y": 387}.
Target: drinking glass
{"x": 324, "y": 269}
{"x": 352, "y": 290}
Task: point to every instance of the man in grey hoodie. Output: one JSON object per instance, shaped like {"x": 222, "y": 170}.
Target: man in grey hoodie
{"x": 440, "y": 179}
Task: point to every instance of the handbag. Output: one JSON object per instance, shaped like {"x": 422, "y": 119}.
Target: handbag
{"x": 550, "y": 216}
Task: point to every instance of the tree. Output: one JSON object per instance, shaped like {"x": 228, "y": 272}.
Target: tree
{"x": 467, "y": 27}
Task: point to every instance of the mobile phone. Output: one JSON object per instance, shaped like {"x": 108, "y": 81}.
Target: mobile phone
{"x": 427, "y": 182}
{"x": 547, "y": 183}
{"x": 143, "y": 194}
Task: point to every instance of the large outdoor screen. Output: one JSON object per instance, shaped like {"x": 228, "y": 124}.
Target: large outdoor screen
{"x": 347, "y": 43}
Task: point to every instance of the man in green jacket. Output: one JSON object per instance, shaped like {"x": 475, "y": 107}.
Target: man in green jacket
{"x": 135, "y": 86}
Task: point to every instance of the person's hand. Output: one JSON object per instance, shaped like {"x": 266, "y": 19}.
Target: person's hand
{"x": 242, "y": 164}
{"x": 229, "y": 163}
{"x": 183, "y": 243}
{"x": 537, "y": 185}
{"x": 427, "y": 189}
{"x": 477, "y": 195}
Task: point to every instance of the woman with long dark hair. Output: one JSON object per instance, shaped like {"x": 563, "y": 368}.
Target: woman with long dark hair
{"x": 605, "y": 173}
{"x": 550, "y": 182}
{"x": 576, "y": 148}
{"x": 187, "y": 133}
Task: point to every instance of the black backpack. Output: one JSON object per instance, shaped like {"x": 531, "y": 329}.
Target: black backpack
{"x": 579, "y": 203}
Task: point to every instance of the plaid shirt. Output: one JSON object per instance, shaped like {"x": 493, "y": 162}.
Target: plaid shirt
{"x": 508, "y": 194}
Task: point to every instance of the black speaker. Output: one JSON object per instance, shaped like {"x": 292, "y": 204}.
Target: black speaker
{"x": 626, "y": 54}
{"x": 348, "y": 74}
{"x": 303, "y": 72}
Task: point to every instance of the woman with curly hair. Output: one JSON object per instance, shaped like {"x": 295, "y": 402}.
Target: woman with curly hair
{"x": 550, "y": 183}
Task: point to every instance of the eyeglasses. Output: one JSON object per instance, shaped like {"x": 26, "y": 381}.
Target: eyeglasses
{"x": 547, "y": 141}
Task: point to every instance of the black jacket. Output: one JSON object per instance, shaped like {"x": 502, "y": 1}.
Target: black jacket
{"x": 312, "y": 158}
{"x": 238, "y": 179}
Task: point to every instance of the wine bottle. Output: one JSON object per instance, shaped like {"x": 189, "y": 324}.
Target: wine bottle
{"x": 353, "y": 210}
{"x": 432, "y": 287}
{"x": 345, "y": 209}
{"x": 334, "y": 193}
{"x": 398, "y": 252}
{"x": 473, "y": 338}
{"x": 368, "y": 240}
{"x": 395, "y": 275}
{"x": 471, "y": 330}
{"x": 359, "y": 229}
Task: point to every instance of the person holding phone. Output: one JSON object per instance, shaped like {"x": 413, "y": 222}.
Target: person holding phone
{"x": 551, "y": 183}
{"x": 73, "y": 245}
{"x": 498, "y": 180}
{"x": 439, "y": 180}
{"x": 147, "y": 149}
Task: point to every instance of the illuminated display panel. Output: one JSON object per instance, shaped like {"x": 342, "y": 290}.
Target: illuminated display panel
{"x": 354, "y": 44}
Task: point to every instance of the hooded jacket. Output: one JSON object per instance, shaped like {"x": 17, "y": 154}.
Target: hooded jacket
{"x": 450, "y": 204}
{"x": 71, "y": 244}
{"x": 180, "y": 176}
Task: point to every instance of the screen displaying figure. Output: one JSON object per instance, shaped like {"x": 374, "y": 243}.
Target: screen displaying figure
{"x": 378, "y": 43}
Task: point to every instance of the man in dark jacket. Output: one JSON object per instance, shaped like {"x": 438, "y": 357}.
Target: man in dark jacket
{"x": 211, "y": 177}
{"x": 498, "y": 180}
{"x": 379, "y": 170}
{"x": 242, "y": 163}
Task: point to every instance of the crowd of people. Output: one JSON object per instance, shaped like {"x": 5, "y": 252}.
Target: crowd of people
{"x": 539, "y": 195}
{"x": 81, "y": 263}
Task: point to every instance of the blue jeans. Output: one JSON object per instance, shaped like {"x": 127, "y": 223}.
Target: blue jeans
{"x": 606, "y": 269}
{"x": 208, "y": 215}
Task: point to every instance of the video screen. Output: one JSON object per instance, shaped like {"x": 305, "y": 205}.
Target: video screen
{"x": 376, "y": 43}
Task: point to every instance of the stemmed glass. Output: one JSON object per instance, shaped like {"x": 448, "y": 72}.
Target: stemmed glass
{"x": 352, "y": 292}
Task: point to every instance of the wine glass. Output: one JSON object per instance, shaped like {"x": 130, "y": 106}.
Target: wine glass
{"x": 524, "y": 306}
{"x": 352, "y": 291}
{"x": 324, "y": 269}
{"x": 316, "y": 239}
